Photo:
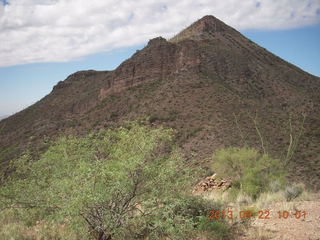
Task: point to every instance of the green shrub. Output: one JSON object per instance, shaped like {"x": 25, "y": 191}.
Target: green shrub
{"x": 126, "y": 183}
{"x": 182, "y": 219}
{"x": 250, "y": 171}
{"x": 276, "y": 186}
{"x": 12, "y": 228}
{"x": 218, "y": 228}
{"x": 292, "y": 191}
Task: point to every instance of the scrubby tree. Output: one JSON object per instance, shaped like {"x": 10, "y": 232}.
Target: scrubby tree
{"x": 126, "y": 183}
{"x": 250, "y": 171}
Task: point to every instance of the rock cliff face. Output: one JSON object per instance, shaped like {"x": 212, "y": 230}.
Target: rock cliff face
{"x": 211, "y": 84}
{"x": 160, "y": 59}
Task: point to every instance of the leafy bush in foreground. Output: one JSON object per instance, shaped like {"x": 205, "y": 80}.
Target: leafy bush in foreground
{"x": 125, "y": 183}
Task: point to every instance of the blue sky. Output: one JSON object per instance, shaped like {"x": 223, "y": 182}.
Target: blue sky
{"x": 23, "y": 85}
{"x": 42, "y": 42}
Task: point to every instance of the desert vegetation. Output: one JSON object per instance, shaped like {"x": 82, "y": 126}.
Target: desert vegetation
{"x": 131, "y": 182}
{"x": 235, "y": 110}
{"x": 251, "y": 172}
{"x": 125, "y": 183}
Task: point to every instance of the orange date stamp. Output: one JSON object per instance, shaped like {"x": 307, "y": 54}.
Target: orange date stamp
{"x": 257, "y": 214}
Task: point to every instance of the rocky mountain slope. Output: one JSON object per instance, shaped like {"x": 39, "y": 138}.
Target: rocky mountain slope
{"x": 211, "y": 84}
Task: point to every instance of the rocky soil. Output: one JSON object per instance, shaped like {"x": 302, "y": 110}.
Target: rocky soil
{"x": 306, "y": 227}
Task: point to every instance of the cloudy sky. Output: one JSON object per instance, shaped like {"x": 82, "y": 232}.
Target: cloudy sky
{"x": 42, "y": 41}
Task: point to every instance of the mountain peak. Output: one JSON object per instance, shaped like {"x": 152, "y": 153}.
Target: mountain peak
{"x": 208, "y": 76}
{"x": 205, "y": 26}
{"x": 208, "y": 23}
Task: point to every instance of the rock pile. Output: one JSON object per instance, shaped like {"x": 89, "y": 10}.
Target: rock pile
{"x": 211, "y": 183}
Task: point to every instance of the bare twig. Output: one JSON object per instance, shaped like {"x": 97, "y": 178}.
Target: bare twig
{"x": 294, "y": 141}
{"x": 258, "y": 132}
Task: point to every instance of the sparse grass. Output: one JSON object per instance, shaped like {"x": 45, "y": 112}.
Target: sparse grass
{"x": 218, "y": 196}
{"x": 306, "y": 196}
{"x": 237, "y": 201}
{"x": 257, "y": 233}
{"x": 288, "y": 193}
{"x": 268, "y": 198}
{"x": 11, "y": 228}
{"x": 244, "y": 199}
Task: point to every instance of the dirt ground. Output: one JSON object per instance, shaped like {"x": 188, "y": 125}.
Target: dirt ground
{"x": 303, "y": 225}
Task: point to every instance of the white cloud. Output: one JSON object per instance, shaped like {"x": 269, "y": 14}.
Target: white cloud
{"x": 64, "y": 30}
